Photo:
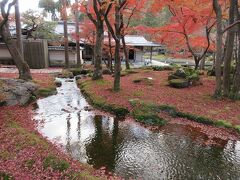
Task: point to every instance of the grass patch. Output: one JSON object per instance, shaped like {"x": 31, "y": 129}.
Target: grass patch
{"x": 30, "y": 138}
{"x": 55, "y": 163}
{"x": 147, "y": 113}
{"x": 222, "y": 123}
{"x": 44, "y": 92}
{"x": 102, "y": 82}
{"x": 138, "y": 93}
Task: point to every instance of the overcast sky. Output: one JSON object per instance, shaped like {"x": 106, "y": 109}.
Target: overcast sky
{"x": 28, "y": 4}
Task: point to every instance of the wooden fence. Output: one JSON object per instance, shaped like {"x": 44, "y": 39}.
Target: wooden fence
{"x": 36, "y": 53}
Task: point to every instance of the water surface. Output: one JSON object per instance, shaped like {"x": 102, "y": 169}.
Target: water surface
{"x": 128, "y": 149}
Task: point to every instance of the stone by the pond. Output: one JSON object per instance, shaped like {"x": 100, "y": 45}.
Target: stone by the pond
{"x": 88, "y": 108}
{"x": 78, "y": 77}
{"x": 69, "y": 80}
{"x": 16, "y": 91}
{"x": 58, "y": 83}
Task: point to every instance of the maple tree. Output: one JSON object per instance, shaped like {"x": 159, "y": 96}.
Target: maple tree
{"x": 189, "y": 27}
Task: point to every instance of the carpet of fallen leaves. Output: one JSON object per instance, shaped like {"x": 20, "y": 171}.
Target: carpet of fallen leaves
{"x": 23, "y": 150}
{"x": 195, "y": 100}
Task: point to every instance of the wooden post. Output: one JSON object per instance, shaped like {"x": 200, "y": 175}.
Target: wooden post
{"x": 151, "y": 54}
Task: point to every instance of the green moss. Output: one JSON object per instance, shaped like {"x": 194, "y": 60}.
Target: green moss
{"x": 237, "y": 127}
{"x": 44, "y": 92}
{"x": 100, "y": 102}
{"x": 169, "y": 109}
{"x": 195, "y": 118}
{"x": 29, "y": 163}
{"x": 222, "y": 123}
{"x": 102, "y": 82}
{"x": 55, "y": 163}
{"x": 30, "y": 138}
{"x": 5, "y": 176}
{"x": 179, "y": 83}
{"x": 138, "y": 93}
{"x": 146, "y": 113}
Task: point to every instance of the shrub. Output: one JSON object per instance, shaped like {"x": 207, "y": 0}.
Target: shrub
{"x": 179, "y": 83}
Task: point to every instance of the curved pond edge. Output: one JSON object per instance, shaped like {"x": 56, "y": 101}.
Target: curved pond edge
{"x": 153, "y": 118}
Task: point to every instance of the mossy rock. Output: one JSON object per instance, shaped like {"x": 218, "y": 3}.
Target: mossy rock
{"x": 146, "y": 81}
{"x": 76, "y": 71}
{"x": 58, "y": 83}
{"x": 179, "y": 83}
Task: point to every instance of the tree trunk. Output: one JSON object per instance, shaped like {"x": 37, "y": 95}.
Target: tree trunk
{"x": 110, "y": 50}
{"x": 219, "y": 49}
{"x": 229, "y": 53}
{"x": 18, "y": 28}
{"x": 117, "y": 67}
{"x": 202, "y": 63}
{"x": 97, "y": 73}
{"x": 236, "y": 81}
{"x": 65, "y": 33}
{"x": 77, "y": 36}
{"x": 22, "y": 66}
{"x": 197, "y": 61}
{"x": 125, "y": 53}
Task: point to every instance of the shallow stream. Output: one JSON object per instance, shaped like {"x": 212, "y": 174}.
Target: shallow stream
{"x": 128, "y": 149}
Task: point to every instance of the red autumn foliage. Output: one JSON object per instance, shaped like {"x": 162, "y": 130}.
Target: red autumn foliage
{"x": 23, "y": 150}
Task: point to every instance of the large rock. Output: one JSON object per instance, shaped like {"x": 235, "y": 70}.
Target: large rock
{"x": 16, "y": 91}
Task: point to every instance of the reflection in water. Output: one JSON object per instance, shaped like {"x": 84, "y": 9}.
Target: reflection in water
{"x": 129, "y": 150}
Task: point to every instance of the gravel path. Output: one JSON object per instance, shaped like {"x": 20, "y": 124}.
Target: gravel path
{"x": 13, "y": 70}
